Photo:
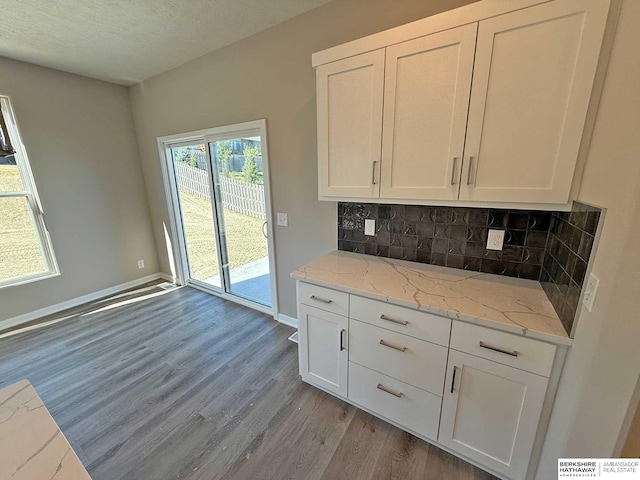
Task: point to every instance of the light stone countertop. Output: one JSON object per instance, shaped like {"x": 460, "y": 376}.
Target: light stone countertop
{"x": 509, "y": 304}
{"x": 32, "y": 447}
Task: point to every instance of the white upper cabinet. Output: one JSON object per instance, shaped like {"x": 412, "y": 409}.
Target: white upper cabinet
{"x": 350, "y": 125}
{"x": 532, "y": 80}
{"x": 480, "y": 105}
{"x": 426, "y": 96}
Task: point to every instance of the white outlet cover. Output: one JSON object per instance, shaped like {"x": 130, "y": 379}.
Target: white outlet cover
{"x": 495, "y": 240}
{"x": 283, "y": 219}
{"x": 140, "y": 263}
{"x": 590, "y": 292}
{"x": 369, "y": 226}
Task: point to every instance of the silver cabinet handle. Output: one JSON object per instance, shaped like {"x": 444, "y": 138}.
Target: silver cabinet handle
{"x": 469, "y": 182}
{"x": 388, "y": 319}
{"x": 318, "y": 299}
{"x": 513, "y": 353}
{"x": 395, "y": 347}
{"x": 373, "y": 172}
{"x": 341, "y": 339}
{"x": 388, "y": 390}
{"x": 453, "y": 380}
{"x": 453, "y": 171}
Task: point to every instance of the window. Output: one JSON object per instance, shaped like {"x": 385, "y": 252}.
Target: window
{"x": 26, "y": 253}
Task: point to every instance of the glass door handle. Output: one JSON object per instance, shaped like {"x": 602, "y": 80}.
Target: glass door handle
{"x": 264, "y": 230}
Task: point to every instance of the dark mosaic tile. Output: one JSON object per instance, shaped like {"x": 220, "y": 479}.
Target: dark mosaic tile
{"x": 397, "y": 226}
{"x": 396, "y": 252}
{"x": 370, "y": 248}
{"x": 490, "y": 266}
{"x": 397, "y": 212}
{"x": 579, "y": 271}
{"x": 511, "y": 269}
{"x": 477, "y": 217}
{"x": 476, "y": 234}
{"x": 409, "y": 254}
{"x": 472, "y": 263}
{"x": 442, "y": 215}
{"x": 515, "y": 237}
{"x": 424, "y": 229}
{"x": 586, "y": 244}
{"x": 458, "y": 216}
{"x": 536, "y": 239}
{"x": 512, "y": 254}
{"x": 412, "y": 213}
{"x": 423, "y": 256}
{"x": 498, "y": 218}
{"x": 358, "y": 248}
{"x": 382, "y": 250}
{"x": 410, "y": 228}
{"x": 455, "y": 261}
{"x": 533, "y": 256}
{"x": 591, "y": 222}
{"x": 371, "y": 211}
{"x": 396, "y": 240}
{"x": 384, "y": 212}
{"x": 383, "y": 226}
{"x": 457, "y": 232}
{"x": 409, "y": 241}
{"x": 518, "y": 220}
{"x": 492, "y": 254}
{"x": 539, "y": 221}
{"x": 457, "y": 247}
{"x": 383, "y": 238}
{"x": 529, "y": 271}
{"x": 440, "y": 230}
{"x": 438, "y": 258}
{"x": 424, "y": 243}
{"x": 440, "y": 245}
{"x": 474, "y": 249}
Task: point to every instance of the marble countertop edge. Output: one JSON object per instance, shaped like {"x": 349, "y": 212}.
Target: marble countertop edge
{"x": 514, "y": 328}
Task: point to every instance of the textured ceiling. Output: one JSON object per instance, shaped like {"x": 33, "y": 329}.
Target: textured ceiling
{"x": 126, "y": 41}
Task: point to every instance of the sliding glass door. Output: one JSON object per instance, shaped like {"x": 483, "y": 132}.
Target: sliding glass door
{"x": 219, "y": 189}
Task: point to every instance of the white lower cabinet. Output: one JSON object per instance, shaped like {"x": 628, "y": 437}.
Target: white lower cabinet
{"x": 397, "y": 401}
{"x": 407, "y": 366}
{"x": 322, "y": 349}
{"x": 490, "y": 413}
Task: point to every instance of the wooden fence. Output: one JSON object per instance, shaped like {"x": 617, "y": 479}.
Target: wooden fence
{"x": 239, "y": 196}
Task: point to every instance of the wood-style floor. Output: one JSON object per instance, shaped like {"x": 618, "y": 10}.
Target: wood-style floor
{"x": 185, "y": 385}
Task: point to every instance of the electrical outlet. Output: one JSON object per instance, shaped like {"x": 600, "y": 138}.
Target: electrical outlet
{"x": 590, "y": 292}
{"x": 495, "y": 240}
{"x": 369, "y": 226}
{"x": 140, "y": 263}
{"x": 283, "y": 219}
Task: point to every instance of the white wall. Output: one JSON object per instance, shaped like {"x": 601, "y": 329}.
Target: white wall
{"x": 81, "y": 143}
{"x": 268, "y": 75}
{"x": 604, "y": 364}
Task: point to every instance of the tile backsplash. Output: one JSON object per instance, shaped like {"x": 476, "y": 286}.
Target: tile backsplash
{"x": 552, "y": 247}
{"x": 569, "y": 246}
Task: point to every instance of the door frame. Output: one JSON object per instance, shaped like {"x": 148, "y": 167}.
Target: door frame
{"x": 174, "y": 235}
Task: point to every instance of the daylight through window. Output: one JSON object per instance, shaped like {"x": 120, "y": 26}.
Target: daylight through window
{"x": 26, "y": 253}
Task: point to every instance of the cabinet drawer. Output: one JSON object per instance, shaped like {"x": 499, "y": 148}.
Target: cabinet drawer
{"x": 414, "y": 409}
{"x": 523, "y": 353}
{"x": 416, "y": 362}
{"x": 403, "y": 320}
{"x": 323, "y": 298}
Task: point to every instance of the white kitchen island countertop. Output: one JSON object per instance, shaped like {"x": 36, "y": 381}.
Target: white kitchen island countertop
{"x": 32, "y": 447}
{"x": 509, "y": 304}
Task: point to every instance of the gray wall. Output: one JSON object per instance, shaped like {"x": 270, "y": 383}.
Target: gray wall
{"x": 80, "y": 139}
{"x": 268, "y": 75}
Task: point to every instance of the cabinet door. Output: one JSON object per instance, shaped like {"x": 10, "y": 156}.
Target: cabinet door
{"x": 532, "y": 81}
{"x": 490, "y": 413}
{"x": 426, "y": 98}
{"x": 322, "y": 348}
{"x": 350, "y": 126}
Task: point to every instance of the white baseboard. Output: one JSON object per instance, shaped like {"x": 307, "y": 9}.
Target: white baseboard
{"x": 74, "y": 302}
{"x": 292, "y": 322}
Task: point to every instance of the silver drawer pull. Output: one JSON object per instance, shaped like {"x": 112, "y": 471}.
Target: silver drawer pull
{"x": 513, "y": 353}
{"x": 318, "y": 299}
{"x": 388, "y": 319}
{"x": 395, "y": 347}
{"x": 388, "y": 390}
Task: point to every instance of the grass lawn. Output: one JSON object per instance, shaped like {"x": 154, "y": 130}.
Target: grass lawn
{"x": 245, "y": 241}
{"x": 19, "y": 247}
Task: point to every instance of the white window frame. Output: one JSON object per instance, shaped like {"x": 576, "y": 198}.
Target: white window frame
{"x": 30, "y": 193}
